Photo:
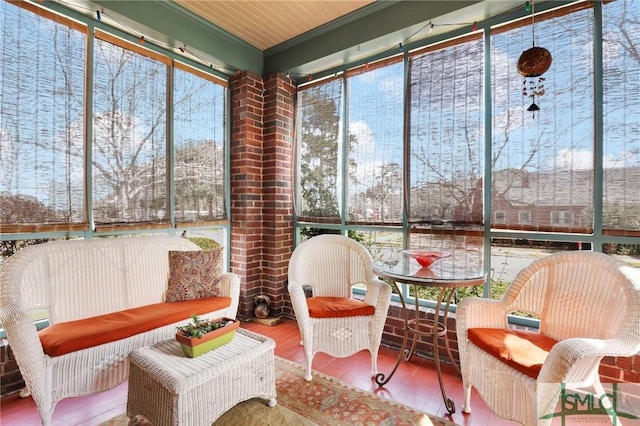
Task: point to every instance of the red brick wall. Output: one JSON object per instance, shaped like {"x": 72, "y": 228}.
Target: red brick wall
{"x": 394, "y": 332}
{"x": 619, "y": 369}
{"x": 10, "y": 377}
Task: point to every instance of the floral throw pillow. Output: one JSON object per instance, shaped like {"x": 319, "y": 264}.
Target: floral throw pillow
{"x": 194, "y": 274}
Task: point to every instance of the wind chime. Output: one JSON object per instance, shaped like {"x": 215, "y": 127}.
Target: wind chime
{"x": 531, "y": 65}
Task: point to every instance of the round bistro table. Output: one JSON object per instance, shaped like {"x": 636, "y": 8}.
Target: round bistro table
{"x": 445, "y": 275}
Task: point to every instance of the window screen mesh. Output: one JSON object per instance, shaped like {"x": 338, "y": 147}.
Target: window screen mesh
{"x": 129, "y": 136}
{"x": 319, "y": 145}
{"x": 42, "y": 93}
{"x": 375, "y": 146}
{"x": 621, "y": 117}
{"x": 199, "y": 106}
{"x": 446, "y": 134}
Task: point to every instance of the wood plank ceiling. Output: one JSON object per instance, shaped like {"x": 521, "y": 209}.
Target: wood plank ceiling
{"x": 264, "y": 24}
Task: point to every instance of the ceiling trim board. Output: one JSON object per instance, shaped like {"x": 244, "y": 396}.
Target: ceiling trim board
{"x": 188, "y": 29}
{"x": 361, "y": 13}
{"x": 380, "y": 30}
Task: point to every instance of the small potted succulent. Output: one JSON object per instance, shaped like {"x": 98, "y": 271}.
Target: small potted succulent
{"x": 201, "y": 336}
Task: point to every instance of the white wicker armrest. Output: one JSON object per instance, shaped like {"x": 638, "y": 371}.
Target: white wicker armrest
{"x": 230, "y": 283}
{"x": 574, "y": 360}
{"x": 301, "y": 311}
{"x": 377, "y": 294}
{"x": 474, "y": 312}
{"x": 382, "y": 293}
{"x": 299, "y": 301}
{"x": 25, "y": 343}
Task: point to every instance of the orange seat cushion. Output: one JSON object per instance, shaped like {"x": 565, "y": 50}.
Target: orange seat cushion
{"x": 332, "y": 307}
{"x": 524, "y": 351}
{"x": 69, "y": 336}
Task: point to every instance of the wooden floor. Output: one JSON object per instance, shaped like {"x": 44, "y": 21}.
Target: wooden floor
{"x": 415, "y": 384}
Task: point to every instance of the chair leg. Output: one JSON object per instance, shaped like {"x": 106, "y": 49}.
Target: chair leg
{"x": 308, "y": 358}
{"x": 466, "y": 407}
{"x": 307, "y": 375}
{"x": 25, "y": 392}
{"x": 374, "y": 364}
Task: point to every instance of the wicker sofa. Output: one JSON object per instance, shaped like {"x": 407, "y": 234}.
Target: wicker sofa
{"x": 114, "y": 288}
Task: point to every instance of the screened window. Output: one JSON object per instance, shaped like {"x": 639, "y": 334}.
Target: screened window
{"x": 129, "y": 134}
{"x": 524, "y": 217}
{"x": 319, "y": 156}
{"x": 446, "y": 133}
{"x": 375, "y": 99}
{"x": 563, "y": 218}
{"x": 199, "y": 111}
{"x": 621, "y": 117}
{"x": 446, "y": 149}
{"x": 42, "y": 81}
{"x": 543, "y": 160}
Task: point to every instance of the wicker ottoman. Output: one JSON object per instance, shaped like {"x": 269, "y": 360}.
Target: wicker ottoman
{"x": 171, "y": 389}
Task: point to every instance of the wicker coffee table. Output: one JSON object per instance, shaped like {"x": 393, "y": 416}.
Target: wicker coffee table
{"x": 171, "y": 389}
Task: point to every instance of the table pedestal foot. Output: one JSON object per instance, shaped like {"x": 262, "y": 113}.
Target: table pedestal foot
{"x": 381, "y": 378}
{"x": 451, "y": 406}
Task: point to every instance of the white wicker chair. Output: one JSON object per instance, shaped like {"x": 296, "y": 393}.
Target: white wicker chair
{"x": 331, "y": 265}
{"x": 588, "y": 302}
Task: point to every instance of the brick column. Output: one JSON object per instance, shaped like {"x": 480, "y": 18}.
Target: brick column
{"x": 246, "y": 186}
{"x": 277, "y": 177}
{"x": 261, "y": 187}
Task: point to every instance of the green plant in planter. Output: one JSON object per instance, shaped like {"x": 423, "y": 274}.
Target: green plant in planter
{"x": 198, "y": 327}
{"x": 201, "y": 336}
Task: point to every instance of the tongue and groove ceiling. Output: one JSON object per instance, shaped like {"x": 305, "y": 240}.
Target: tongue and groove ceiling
{"x": 265, "y": 24}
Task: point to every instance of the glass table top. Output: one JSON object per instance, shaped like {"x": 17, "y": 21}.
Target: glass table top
{"x": 445, "y": 272}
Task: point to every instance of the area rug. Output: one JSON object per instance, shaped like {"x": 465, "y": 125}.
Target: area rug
{"x": 324, "y": 401}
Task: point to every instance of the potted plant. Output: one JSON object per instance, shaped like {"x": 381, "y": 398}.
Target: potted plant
{"x": 201, "y": 336}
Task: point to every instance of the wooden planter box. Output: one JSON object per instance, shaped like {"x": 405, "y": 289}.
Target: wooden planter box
{"x": 196, "y": 346}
